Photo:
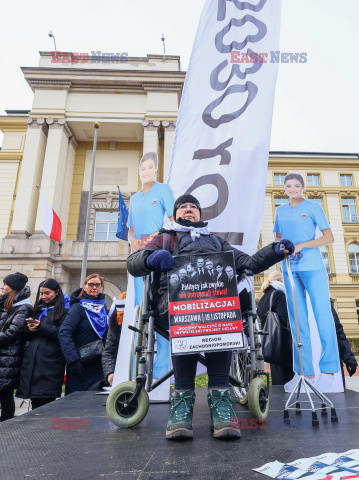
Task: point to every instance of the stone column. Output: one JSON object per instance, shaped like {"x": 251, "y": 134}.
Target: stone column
{"x": 30, "y": 176}
{"x": 336, "y": 225}
{"x": 169, "y": 128}
{"x": 54, "y": 166}
{"x": 66, "y": 192}
{"x": 150, "y": 136}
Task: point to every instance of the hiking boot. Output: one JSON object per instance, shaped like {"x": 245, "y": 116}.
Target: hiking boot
{"x": 224, "y": 419}
{"x": 179, "y": 425}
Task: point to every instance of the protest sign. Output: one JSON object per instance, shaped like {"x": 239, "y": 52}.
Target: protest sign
{"x": 204, "y": 305}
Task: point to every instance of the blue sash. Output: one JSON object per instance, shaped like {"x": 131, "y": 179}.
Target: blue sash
{"x": 96, "y": 314}
{"x": 44, "y": 312}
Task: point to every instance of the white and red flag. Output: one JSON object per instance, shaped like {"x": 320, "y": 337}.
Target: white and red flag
{"x": 51, "y": 224}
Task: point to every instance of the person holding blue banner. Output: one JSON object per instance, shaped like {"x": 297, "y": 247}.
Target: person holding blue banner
{"x": 43, "y": 368}
{"x": 298, "y": 220}
{"x": 85, "y": 324}
{"x": 148, "y": 208}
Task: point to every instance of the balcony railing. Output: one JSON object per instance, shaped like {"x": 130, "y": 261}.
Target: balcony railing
{"x": 72, "y": 250}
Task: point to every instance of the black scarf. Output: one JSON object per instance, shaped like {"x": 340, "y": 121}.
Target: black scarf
{"x": 188, "y": 223}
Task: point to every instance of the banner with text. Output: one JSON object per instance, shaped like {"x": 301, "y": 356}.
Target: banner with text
{"x": 221, "y": 145}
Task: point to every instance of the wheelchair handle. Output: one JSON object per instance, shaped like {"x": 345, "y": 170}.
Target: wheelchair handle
{"x": 247, "y": 273}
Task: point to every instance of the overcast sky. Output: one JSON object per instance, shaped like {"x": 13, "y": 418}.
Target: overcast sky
{"x": 316, "y": 104}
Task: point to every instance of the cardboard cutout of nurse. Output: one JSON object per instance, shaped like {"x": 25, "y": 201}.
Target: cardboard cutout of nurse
{"x": 299, "y": 221}
{"x": 150, "y": 208}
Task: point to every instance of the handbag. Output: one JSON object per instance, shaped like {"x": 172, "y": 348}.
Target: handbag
{"x": 91, "y": 352}
{"x": 277, "y": 343}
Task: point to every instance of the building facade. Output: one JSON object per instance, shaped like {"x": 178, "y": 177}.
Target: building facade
{"x": 136, "y": 103}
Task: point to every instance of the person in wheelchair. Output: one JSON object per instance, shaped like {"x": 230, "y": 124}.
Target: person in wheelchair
{"x": 186, "y": 235}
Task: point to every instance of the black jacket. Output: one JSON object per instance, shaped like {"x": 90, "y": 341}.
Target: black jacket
{"x": 109, "y": 355}
{"x": 345, "y": 352}
{"x": 279, "y": 305}
{"x": 43, "y": 368}
{"x": 12, "y": 341}
{"x": 181, "y": 243}
{"x": 75, "y": 332}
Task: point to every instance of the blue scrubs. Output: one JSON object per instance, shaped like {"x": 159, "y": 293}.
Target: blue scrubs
{"x": 298, "y": 224}
{"x": 148, "y": 210}
{"x": 146, "y": 216}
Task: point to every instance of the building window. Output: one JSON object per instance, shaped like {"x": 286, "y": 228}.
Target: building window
{"x": 325, "y": 256}
{"x": 353, "y": 250}
{"x": 317, "y": 200}
{"x": 313, "y": 180}
{"x": 278, "y": 201}
{"x": 106, "y": 226}
{"x": 346, "y": 180}
{"x": 357, "y": 305}
{"x": 279, "y": 178}
{"x": 349, "y": 210}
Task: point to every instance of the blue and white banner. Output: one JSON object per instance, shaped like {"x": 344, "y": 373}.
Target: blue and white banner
{"x": 328, "y": 466}
{"x": 221, "y": 145}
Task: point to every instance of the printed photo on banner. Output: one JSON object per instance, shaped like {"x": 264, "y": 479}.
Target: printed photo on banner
{"x": 204, "y": 304}
{"x": 151, "y": 206}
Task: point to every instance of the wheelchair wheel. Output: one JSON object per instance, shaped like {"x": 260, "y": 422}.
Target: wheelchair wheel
{"x": 240, "y": 360}
{"x": 258, "y": 403}
{"x": 122, "y": 414}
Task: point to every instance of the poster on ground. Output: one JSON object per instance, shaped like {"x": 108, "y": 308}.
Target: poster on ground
{"x": 328, "y": 466}
{"x": 204, "y": 305}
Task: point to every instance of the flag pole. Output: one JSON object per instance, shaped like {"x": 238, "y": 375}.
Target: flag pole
{"x": 89, "y": 202}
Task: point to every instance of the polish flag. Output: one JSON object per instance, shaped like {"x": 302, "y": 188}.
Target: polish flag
{"x": 51, "y": 223}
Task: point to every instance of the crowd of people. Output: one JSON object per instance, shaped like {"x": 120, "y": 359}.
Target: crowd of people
{"x": 40, "y": 343}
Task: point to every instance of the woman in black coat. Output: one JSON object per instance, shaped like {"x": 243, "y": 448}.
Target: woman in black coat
{"x": 282, "y": 373}
{"x": 43, "y": 368}
{"x": 15, "y": 307}
{"x": 85, "y": 323}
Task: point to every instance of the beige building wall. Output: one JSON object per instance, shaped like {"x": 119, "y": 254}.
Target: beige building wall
{"x": 8, "y": 179}
{"x": 11, "y": 154}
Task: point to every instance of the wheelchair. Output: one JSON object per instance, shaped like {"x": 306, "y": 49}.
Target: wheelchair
{"x": 127, "y": 404}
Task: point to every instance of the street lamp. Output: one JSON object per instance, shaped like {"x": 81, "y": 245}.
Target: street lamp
{"x": 51, "y": 35}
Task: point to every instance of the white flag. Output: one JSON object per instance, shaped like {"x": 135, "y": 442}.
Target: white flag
{"x": 221, "y": 146}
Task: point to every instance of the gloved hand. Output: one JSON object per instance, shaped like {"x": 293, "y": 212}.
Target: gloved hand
{"x": 351, "y": 367}
{"x": 288, "y": 248}
{"x": 76, "y": 368}
{"x": 160, "y": 260}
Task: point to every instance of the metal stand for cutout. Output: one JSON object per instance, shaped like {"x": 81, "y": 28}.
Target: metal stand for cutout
{"x": 302, "y": 380}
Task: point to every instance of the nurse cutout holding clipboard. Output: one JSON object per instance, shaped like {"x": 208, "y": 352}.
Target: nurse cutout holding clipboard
{"x": 298, "y": 221}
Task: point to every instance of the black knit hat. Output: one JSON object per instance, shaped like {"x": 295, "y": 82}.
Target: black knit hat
{"x": 185, "y": 199}
{"x": 16, "y": 281}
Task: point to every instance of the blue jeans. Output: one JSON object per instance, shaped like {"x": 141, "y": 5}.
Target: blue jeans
{"x": 315, "y": 282}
